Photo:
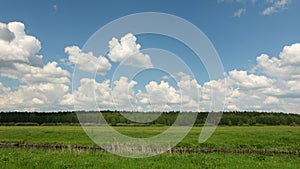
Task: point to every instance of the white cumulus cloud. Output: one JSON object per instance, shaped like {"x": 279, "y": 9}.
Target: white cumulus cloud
{"x": 15, "y": 44}
{"x": 128, "y": 51}
{"x": 40, "y": 87}
{"x": 119, "y": 95}
{"x": 286, "y": 66}
{"x": 87, "y": 61}
{"x": 274, "y": 85}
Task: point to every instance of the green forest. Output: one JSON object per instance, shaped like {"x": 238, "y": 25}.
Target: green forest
{"x": 116, "y": 118}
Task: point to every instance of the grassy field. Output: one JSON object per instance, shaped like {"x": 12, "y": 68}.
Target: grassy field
{"x": 37, "y": 158}
{"x": 258, "y": 137}
{"x": 267, "y": 137}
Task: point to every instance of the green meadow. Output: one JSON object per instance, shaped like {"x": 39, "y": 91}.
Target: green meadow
{"x": 283, "y": 138}
{"x": 266, "y": 137}
{"x": 37, "y": 158}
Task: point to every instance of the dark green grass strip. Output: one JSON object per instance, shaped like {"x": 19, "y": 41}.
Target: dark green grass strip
{"x": 15, "y": 158}
{"x": 181, "y": 150}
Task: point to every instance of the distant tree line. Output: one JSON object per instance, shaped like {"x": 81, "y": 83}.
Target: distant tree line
{"x": 165, "y": 118}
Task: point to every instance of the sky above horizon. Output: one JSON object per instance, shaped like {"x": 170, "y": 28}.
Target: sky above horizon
{"x": 258, "y": 42}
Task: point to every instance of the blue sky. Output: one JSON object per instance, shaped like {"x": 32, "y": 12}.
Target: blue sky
{"x": 238, "y": 39}
{"x": 240, "y": 30}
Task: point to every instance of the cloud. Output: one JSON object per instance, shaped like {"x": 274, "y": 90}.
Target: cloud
{"x": 46, "y": 86}
{"x": 159, "y": 97}
{"x": 19, "y": 59}
{"x": 281, "y": 3}
{"x": 35, "y": 97}
{"x": 245, "y": 91}
{"x": 122, "y": 96}
{"x": 164, "y": 97}
{"x": 273, "y": 6}
{"x": 238, "y": 94}
{"x": 3, "y": 90}
{"x": 5, "y": 33}
{"x": 161, "y": 93}
{"x": 15, "y": 44}
{"x": 190, "y": 92}
{"x": 128, "y": 51}
{"x": 244, "y": 80}
{"x": 39, "y": 87}
{"x": 276, "y": 89}
{"x": 87, "y": 61}
{"x": 239, "y": 12}
{"x": 284, "y": 67}
{"x": 49, "y": 73}
{"x": 271, "y": 100}
{"x": 123, "y": 93}
{"x": 274, "y": 85}
{"x": 119, "y": 96}
{"x": 285, "y": 71}
{"x": 88, "y": 92}
{"x": 277, "y": 5}
{"x": 269, "y": 10}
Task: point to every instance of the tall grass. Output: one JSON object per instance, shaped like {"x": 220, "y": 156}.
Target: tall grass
{"x": 251, "y": 137}
{"x": 38, "y": 158}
